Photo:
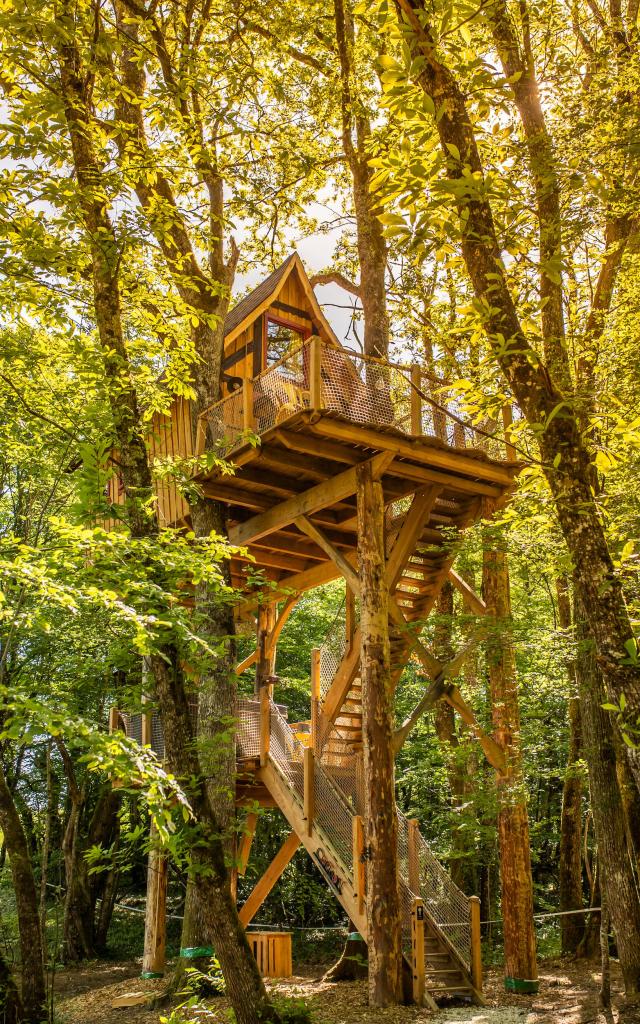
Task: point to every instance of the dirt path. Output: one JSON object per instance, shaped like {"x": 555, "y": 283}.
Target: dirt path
{"x": 568, "y": 995}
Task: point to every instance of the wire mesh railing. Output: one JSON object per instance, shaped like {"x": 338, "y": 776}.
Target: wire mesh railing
{"x": 362, "y": 389}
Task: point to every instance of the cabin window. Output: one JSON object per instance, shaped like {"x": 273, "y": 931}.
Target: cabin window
{"x": 282, "y": 337}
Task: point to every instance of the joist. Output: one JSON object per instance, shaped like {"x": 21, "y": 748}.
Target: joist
{"x": 319, "y": 496}
{"x": 315, "y": 447}
{"x": 480, "y": 468}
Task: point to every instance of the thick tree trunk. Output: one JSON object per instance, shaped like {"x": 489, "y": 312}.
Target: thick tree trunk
{"x": 565, "y": 455}
{"x": 372, "y": 247}
{"x": 513, "y": 824}
{"x": 11, "y": 1010}
{"x": 33, "y": 984}
{"x": 617, "y": 877}
{"x": 570, "y": 867}
{"x": 381, "y": 827}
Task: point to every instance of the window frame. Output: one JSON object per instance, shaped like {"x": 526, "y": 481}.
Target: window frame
{"x": 269, "y": 318}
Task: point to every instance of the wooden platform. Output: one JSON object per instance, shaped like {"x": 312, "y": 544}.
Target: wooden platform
{"x": 305, "y": 469}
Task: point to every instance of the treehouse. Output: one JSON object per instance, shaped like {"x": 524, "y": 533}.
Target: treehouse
{"x": 323, "y": 415}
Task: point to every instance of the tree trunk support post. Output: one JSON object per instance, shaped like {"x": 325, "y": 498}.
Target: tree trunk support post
{"x": 384, "y": 933}
{"x": 315, "y": 372}
{"x": 476, "y": 943}
{"x": 265, "y": 725}
{"x": 417, "y": 952}
{"x": 359, "y": 871}
{"x": 309, "y": 787}
{"x": 155, "y": 921}
{"x": 414, "y": 856}
{"x": 416, "y": 400}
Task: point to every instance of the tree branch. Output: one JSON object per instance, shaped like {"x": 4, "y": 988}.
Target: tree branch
{"x": 336, "y": 277}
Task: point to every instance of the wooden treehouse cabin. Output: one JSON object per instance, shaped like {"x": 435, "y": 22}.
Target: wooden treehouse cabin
{"x": 319, "y": 412}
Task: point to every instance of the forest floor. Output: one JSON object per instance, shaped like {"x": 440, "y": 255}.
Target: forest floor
{"x": 568, "y": 995}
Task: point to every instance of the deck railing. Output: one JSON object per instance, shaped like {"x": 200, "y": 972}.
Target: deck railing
{"x": 319, "y": 376}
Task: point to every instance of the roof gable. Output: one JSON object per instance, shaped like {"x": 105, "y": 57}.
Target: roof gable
{"x": 254, "y": 304}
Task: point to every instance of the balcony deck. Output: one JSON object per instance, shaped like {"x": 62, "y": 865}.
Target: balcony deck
{"x": 317, "y": 415}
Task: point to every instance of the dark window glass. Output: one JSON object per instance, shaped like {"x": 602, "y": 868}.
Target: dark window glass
{"x": 280, "y": 341}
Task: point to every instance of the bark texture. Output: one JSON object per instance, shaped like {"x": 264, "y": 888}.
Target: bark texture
{"x": 570, "y": 867}
{"x": 513, "y": 824}
{"x": 617, "y": 879}
{"x": 33, "y": 983}
{"x": 381, "y": 827}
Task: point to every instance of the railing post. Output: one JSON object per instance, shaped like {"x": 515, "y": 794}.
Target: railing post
{"x": 315, "y": 372}
{"x": 476, "y": 943}
{"x": 309, "y": 787}
{"x": 146, "y": 731}
{"x": 247, "y": 405}
{"x": 315, "y": 694}
{"x": 416, "y": 400}
{"x": 265, "y": 725}
{"x": 507, "y": 422}
{"x": 414, "y": 857}
{"x": 359, "y": 872}
{"x": 417, "y": 951}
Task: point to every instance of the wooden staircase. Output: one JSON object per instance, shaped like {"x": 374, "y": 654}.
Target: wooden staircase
{"x": 324, "y": 824}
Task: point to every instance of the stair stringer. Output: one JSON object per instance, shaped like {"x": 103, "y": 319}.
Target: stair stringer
{"x": 314, "y": 844}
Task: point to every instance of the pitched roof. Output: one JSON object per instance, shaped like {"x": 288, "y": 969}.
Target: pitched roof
{"x": 250, "y": 302}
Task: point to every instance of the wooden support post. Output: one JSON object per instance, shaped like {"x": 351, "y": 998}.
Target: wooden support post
{"x": 114, "y": 719}
{"x": 265, "y": 884}
{"x": 359, "y": 870}
{"x": 309, "y": 788}
{"x": 315, "y": 372}
{"x": 265, "y": 725}
{"x": 417, "y": 952}
{"x": 476, "y": 943}
{"x": 247, "y": 405}
{"x": 414, "y": 856}
{"x": 155, "y": 921}
{"x": 145, "y": 730}
{"x": 315, "y": 695}
{"x": 416, "y": 400}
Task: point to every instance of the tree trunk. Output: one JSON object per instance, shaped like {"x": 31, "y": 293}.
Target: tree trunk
{"x": 617, "y": 879}
{"x": 383, "y": 902}
{"x": 513, "y": 824}
{"x": 11, "y": 1010}
{"x": 570, "y": 867}
{"x": 372, "y": 247}
{"x": 33, "y": 984}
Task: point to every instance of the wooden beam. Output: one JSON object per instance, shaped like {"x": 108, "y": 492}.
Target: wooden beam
{"x": 420, "y": 450}
{"x": 309, "y": 789}
{"x": 342, "y": 680}
{"x": 418, "y": 964}
{"x": 410, "y": 531}
{"x": 265, "y": 725}
{"x": 245, "y": 844}
{"x": 425, "y": 475}
{"x": 492, "y": 750}
{"x": 155, "y": 920}
{"x": 324, "y": 572}
{"x": 359, "y": 866}
{"x": 319, "y": 496}
{"x": 413, "y": 852}
{"x": 266, "y": 883}
{"x": 476, "y": 943}
{"x": 246, "y": 663}
{"x": 315, "y": 447}
{"x": 336, "y": 556}
{"x": 471, "y": 599}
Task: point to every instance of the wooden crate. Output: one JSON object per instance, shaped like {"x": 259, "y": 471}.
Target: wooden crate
{"x": 272, "y": 951}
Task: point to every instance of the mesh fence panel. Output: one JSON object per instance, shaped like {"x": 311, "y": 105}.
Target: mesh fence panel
{"x": 223, "y": 422}
{"x": 248, "y": 728}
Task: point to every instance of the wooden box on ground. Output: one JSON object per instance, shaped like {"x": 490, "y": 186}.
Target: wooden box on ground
{"x": 272, "y": 951}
